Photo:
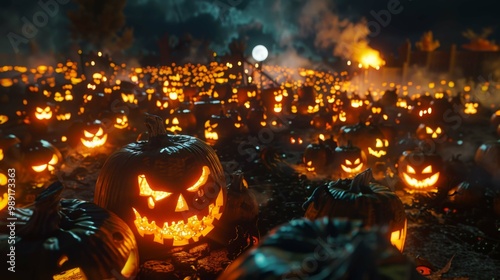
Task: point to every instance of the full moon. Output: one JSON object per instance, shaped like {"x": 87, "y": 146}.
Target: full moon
{"x": 259, "y": 53}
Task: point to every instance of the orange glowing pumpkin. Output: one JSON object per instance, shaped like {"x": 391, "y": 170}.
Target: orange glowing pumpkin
{"x": 170, "y": 188}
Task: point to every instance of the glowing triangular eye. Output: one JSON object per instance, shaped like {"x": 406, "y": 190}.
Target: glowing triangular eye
{"x": 386, "y": 143}
{"x": 124, "y": 97}
{"x": 428, "y": 130}
{"x": 145, "y": 190}
{"x": 175, "y": 121}
{"x": 348, "y": 162}
{"x": 379, "y": 143}
{"x": 54, "y": 160}
{"x": 438, "y": 130}
{"x": 201, "y": 181}
{"x": 410, "y": 170}
{"x": 357, "y": 161}
{"x": 427, "y": 170}
{"x": 47, "y": 109}
{"x": 39, "y": 110}
{"x": 100, "y": 132}
{"x": 87, "y": 134}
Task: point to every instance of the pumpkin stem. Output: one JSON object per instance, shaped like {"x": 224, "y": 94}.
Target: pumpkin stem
{"x": 361, "y": 180}
{"x": 45, "y": 218}
{"x": 349, "y": 144}
{"x": 236, "y": 182}
{"x": 156, "y": 128}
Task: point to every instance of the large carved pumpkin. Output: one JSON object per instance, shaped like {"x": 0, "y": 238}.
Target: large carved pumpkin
{"x": 368, "y": 138}
{"x": 322, "y": 249}
{"x": 170, "y": 188}
{"x": 360, "y": 199}
{"x": 66, "y": 239}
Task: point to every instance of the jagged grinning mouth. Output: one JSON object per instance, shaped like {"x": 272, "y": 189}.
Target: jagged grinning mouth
{"x": 211, "y": 135}
{"x": 181, "y": 232}
{"x": 175, "y": 128}
{"x": 95, "y": 142}
{"x": 421, "y": 184}
{"x": 353, "y": 170}
{"x": 376, "y": 153}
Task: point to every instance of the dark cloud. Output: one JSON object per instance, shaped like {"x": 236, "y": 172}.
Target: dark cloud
{"x": 313, "y": 28}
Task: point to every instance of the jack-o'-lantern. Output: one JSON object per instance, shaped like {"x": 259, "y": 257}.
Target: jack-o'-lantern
{"x": 219, "y": 128}
{"x": 423, "y": 110}
{"x": 369, "y": 138}
{"x": 181, "y": 121}
{"x": 295, "y": 141}
{"x": 94, "y": 135}
{"x": 360, "y": 199}
{"x": 64, "y": 113}
{"x": 272, "y": 99}
{"x": 471, "y": 108}
{"x": 435, "y": 132}
{"x": 43, "y": 113}
{"x": 63, "y": 116}
{"x": 421, "y": 171}
{"x": 121, "y": 120}
{"x": 348, "y": 161}
{"x": 66, "y": 95}
{"x": 163, "y": 103}
{"x": 170, "y": 188}
{"x": 380, "y": 148}
{"x": 42, "y": 157}
{"x": 318, "y": 156}
{"x": 322, "y": 249}
{"x": 68, "y": 239}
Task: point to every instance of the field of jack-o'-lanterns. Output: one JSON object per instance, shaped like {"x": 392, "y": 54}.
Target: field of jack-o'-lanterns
{"x": 418, "y": 164}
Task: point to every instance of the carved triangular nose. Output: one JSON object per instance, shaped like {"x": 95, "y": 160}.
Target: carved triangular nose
{"x": 181, "y": 204}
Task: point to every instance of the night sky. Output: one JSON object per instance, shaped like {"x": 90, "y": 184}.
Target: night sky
{"x": 309, "y": 29}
